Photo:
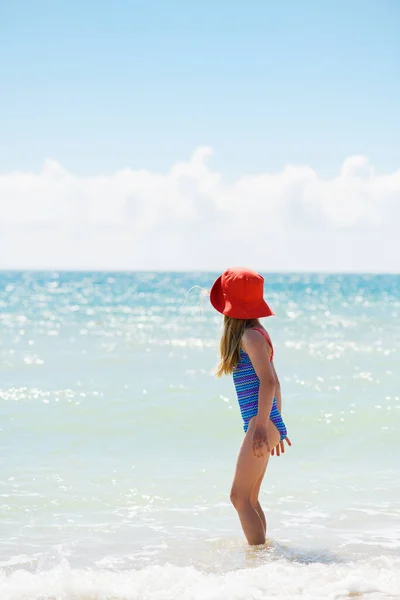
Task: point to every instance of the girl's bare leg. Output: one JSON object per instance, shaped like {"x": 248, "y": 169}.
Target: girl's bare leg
{"x": 248, "y": 475}
{"x": 255, "y": 501}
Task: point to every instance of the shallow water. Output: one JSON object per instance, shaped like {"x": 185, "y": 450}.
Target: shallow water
{"x": 118, "y": 444}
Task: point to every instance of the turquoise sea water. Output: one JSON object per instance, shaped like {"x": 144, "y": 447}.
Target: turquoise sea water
{"x": 117, "y": 443}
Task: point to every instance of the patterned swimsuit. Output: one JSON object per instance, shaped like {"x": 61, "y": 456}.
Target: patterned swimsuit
{"x": 247, "y": 385}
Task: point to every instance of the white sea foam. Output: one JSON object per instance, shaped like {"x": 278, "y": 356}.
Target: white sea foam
{"x": 373, "y": 580}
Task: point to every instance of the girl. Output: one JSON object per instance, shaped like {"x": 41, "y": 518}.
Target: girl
{"x": 247, "y": 352}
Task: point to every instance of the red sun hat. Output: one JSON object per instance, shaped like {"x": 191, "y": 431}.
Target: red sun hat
{"x": 238, "y": 293}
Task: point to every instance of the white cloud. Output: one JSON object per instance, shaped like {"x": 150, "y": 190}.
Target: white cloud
{"x": 189, "y": 218}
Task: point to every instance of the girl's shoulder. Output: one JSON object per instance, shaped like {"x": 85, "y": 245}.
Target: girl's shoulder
{"x": 254, "y": 333}
{"x": 254, "y": 336}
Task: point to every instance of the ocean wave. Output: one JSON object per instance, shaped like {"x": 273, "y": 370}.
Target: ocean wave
{"x": 374, "y": 579}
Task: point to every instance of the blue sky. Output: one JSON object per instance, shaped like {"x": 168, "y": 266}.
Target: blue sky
{"x": 220, "y": 132}
{"x": 104, "y": 85}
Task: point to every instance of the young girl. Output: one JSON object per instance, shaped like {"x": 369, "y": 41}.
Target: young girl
{"x": 247, "y": 353}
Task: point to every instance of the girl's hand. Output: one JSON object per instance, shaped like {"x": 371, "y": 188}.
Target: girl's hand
{"x": 280, "y": 448}
{"x": 260, "y": 441}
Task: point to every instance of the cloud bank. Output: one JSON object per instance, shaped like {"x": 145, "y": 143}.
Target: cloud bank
{"x": 190, "y": 218}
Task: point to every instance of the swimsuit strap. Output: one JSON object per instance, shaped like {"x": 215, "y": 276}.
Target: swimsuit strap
{"x": 266, "y": 336}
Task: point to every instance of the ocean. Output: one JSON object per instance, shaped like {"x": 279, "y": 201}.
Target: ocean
{"x": 118, "y": 444}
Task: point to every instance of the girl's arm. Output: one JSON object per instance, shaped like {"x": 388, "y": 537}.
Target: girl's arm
{"x": 259, "y": 353}
{"x": 280, "y": 448}
{"x": 278, "y": 394}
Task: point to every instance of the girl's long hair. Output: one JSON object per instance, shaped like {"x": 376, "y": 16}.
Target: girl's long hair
{"x": 230, "y": 343}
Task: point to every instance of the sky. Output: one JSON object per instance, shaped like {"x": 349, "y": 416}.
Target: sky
{"x": 174, "y": 134}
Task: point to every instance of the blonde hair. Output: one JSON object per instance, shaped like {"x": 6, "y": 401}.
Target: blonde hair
{"x": 230, "y": 343}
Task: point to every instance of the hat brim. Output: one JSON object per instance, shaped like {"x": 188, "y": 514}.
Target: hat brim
{"x": 223, "y": 305}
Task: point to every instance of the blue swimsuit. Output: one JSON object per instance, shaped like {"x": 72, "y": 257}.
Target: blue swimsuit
{"x": 247, "y": 385}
